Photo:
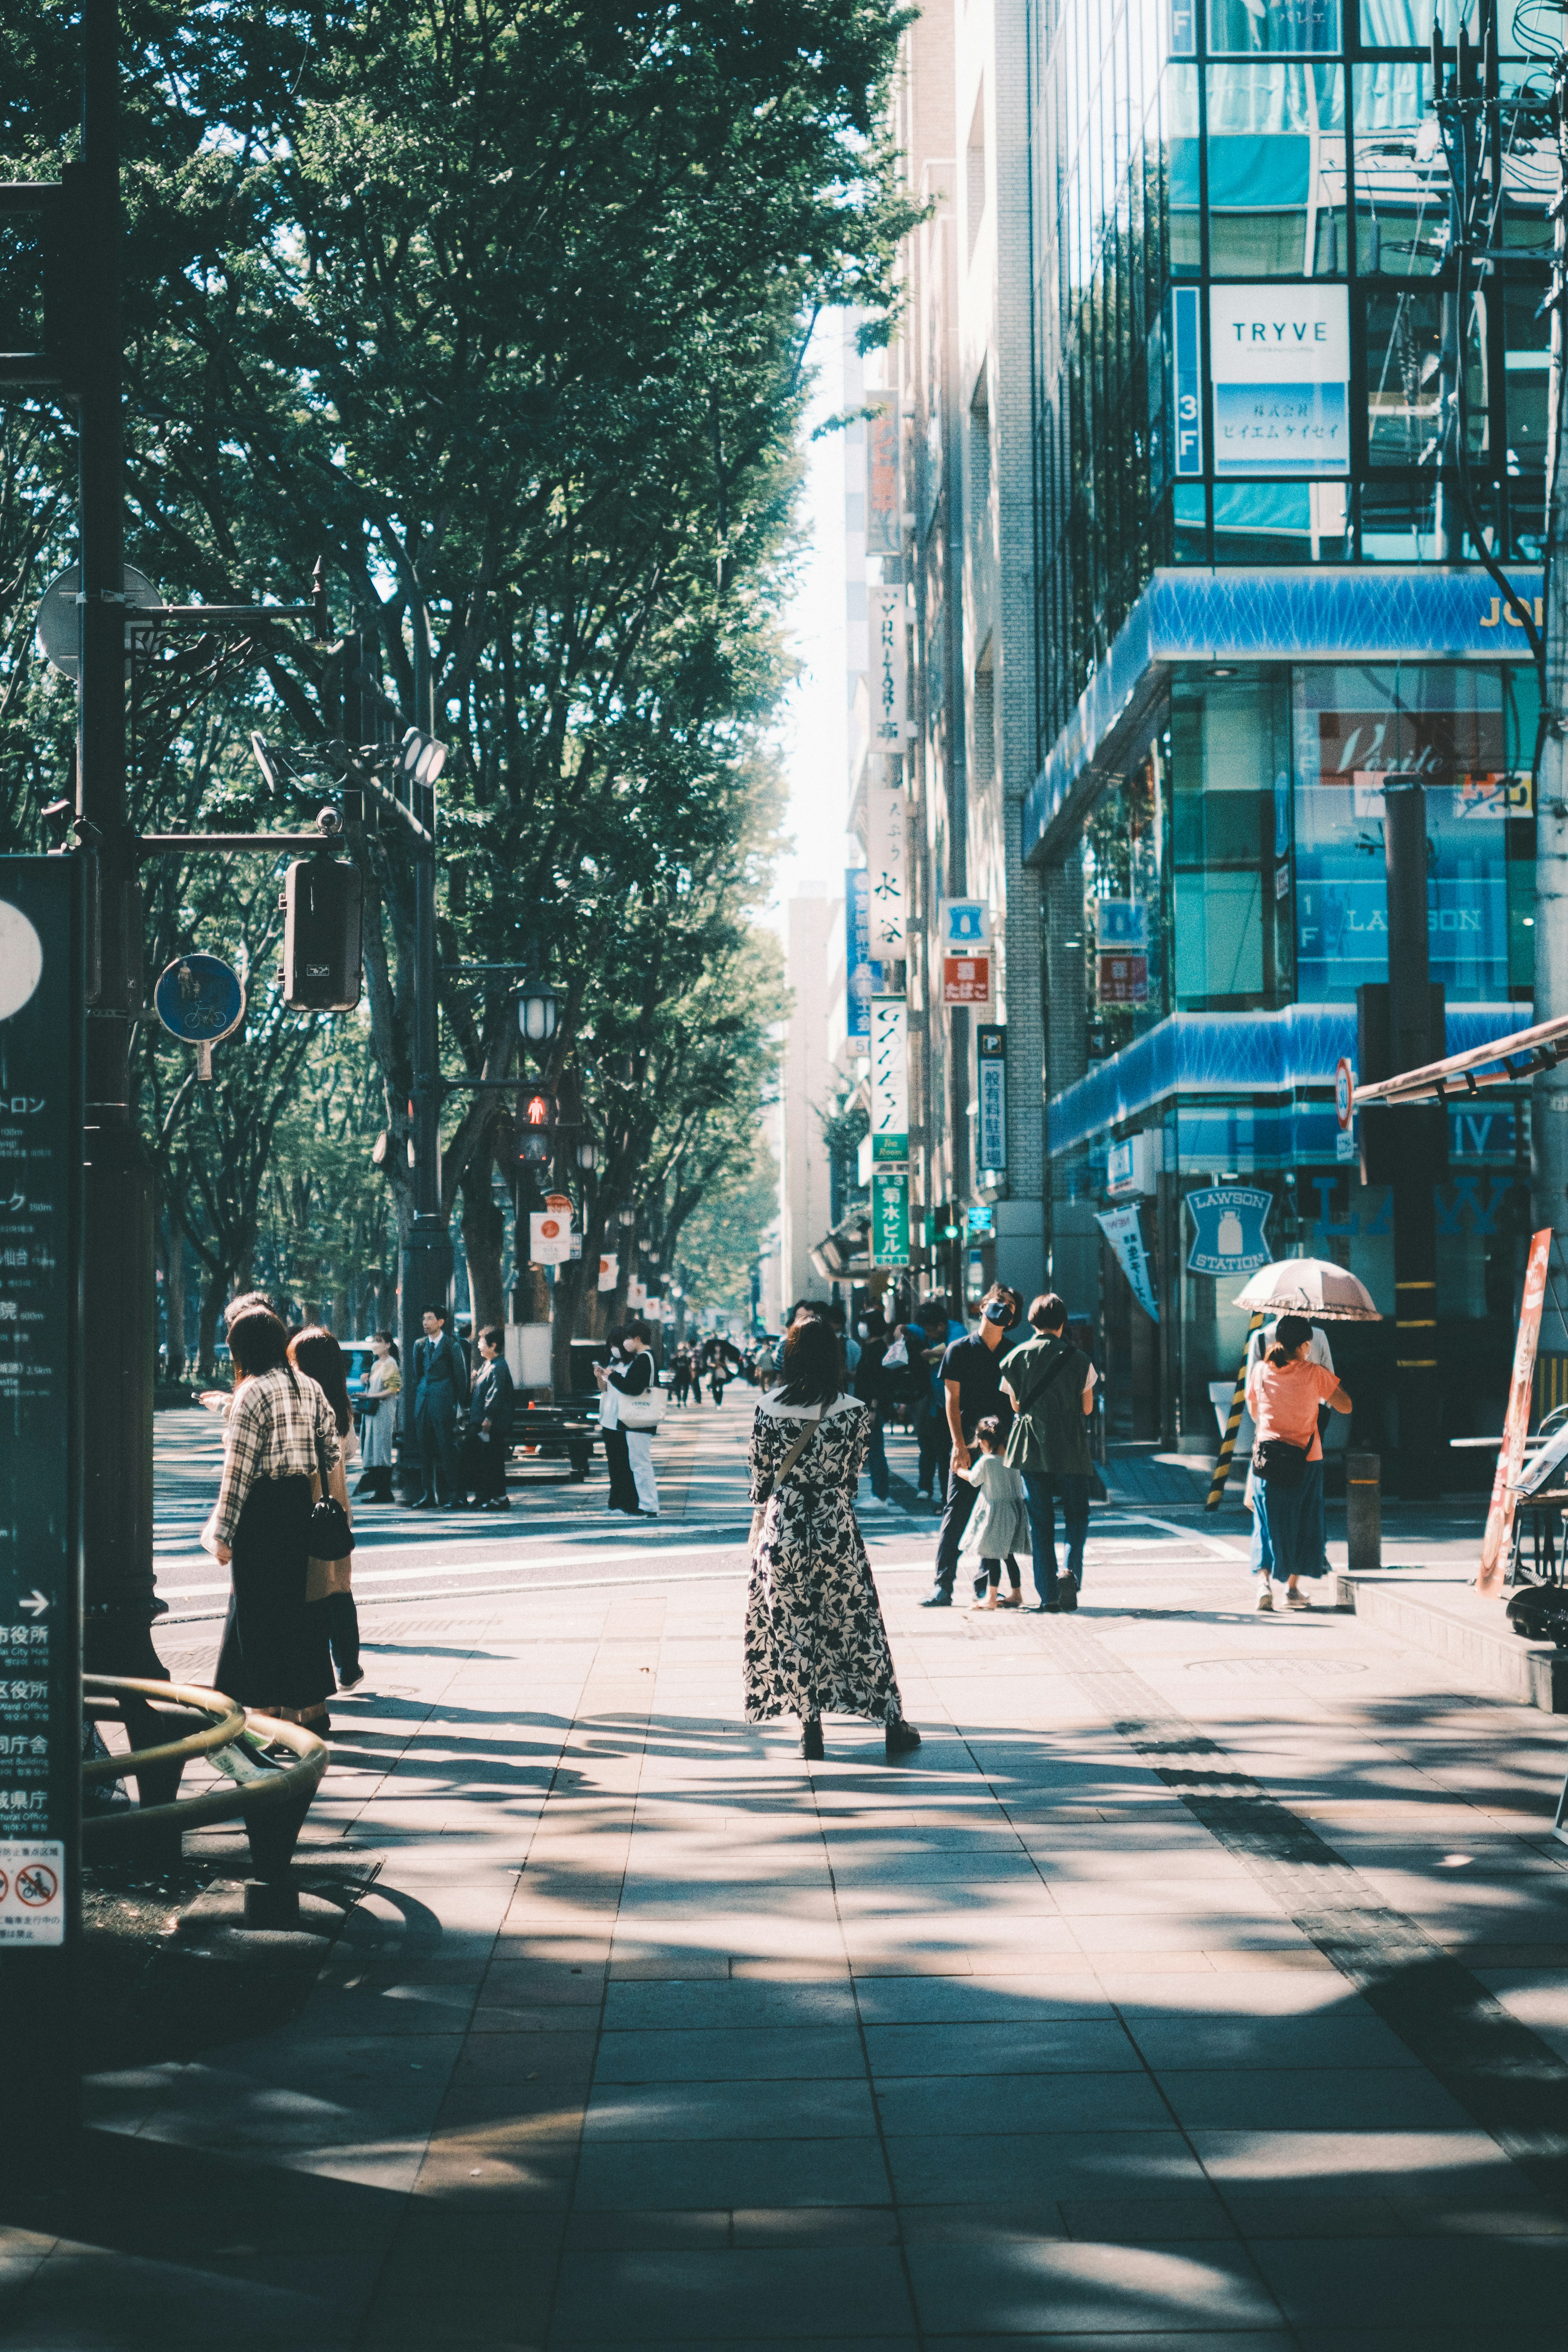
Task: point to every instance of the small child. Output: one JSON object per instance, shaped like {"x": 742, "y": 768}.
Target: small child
{"x": 999, "y": 1524}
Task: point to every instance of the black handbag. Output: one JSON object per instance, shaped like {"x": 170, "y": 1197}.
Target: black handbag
{"x": 330, "y": 1536}
{"x": 1278, "y": 1463}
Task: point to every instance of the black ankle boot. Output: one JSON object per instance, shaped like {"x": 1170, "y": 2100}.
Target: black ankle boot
{"x": 811, "y": 1740}
{"x": 902, "y": 1740}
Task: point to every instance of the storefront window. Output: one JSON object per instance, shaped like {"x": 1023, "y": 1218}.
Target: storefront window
{"x": 1124, "y": 909}
{"x": 1275, "y": 171}
{"x": 1179, "y": 142}
{"x": 1468, "y": 735}
{"x": 1230, "y": 768}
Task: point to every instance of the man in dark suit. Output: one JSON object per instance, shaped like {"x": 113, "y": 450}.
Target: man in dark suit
{"x": 440, "y": 1386}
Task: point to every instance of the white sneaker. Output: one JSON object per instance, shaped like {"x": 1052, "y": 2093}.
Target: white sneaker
{"x": 1264, "y": 1604}
{"x": 1297, "y": 1601}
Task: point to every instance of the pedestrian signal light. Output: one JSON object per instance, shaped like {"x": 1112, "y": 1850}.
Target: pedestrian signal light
{"x": 536, "y": 1138}
{"x": 322, "y": 907}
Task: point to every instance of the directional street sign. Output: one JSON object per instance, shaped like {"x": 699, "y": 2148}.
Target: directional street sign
{"x": 42, "y": 1024}
{"x": 200, "y": 1000}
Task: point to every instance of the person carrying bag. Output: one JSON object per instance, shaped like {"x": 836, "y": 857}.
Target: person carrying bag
{"x": 1284, "y": 1389}
{"x": 637, "y": 1404}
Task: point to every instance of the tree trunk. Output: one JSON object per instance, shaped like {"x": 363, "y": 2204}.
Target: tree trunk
{"x": 175, "y": 1294}
{"x": 484, "y": 1234}
{"x": 214, "y": 1287}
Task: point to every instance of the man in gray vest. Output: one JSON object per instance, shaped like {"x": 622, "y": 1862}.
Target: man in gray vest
{"x": 1051, "y": 1384}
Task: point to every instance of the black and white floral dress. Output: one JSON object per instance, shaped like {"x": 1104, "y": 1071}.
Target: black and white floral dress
{"x": 816, "y": 1644}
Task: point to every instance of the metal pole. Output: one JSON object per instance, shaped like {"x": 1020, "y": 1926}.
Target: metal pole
{"x": 1549, "y": 1107}
{"x": 118, "y": 1264}
{"x": 1414, "y": 1204}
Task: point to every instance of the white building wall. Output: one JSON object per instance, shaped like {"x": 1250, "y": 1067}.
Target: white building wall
{"x": 811, "y": 918}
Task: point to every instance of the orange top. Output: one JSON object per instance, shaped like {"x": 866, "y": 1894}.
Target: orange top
{"x": 1283, "y": 1400}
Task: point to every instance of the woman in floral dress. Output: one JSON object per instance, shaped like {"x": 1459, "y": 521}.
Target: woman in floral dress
{"x": 815, "y": 1643}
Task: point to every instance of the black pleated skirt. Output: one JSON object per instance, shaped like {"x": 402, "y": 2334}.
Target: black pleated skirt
{"x": 275, "y": 1656}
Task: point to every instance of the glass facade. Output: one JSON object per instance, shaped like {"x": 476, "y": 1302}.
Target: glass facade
{"x": 1255, "y": 153}
{"x": 1248, "y": 359}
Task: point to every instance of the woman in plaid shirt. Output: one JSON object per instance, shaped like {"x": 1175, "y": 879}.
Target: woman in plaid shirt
{"x": 280, "y": 1433}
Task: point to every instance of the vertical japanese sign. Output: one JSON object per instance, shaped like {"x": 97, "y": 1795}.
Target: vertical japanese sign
{"x": 991, "y": 1045}
{"x": 886, "y": 610}
{"x": 858, "y": 969}
{"x": 1187, "y": 370}
{"x": 883, "y": 518}
{"x": 42, "y": 1023}
{"x": 889, "y": 1080}
{"x": 889, "y": 1219}
{"x": 1122, "y": 944}
{"x": 886, "y": 861}
{"x": 1516, "y": 1425}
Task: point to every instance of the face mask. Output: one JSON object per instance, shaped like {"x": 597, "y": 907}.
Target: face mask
{"x": 994, "y": 1311}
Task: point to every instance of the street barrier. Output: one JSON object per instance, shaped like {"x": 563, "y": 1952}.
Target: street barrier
{"x": 271, "y": 1793}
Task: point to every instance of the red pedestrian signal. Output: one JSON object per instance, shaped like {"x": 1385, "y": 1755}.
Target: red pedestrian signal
{"x": 536, "y": 1136}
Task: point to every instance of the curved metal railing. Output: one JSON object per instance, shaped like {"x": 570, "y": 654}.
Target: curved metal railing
{"x": 234, "y": 1740}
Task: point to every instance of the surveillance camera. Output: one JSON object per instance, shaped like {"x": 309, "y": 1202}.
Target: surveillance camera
{"x": 329, "y": 820}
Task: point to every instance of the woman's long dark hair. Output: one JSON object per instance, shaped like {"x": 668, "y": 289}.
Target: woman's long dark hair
{"x": 317, "y": 1354}
{"x": 1289, "y": 1333}
{"x": 811, "y": 1364}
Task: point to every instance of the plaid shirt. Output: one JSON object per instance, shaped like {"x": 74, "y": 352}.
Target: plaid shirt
{"x": 277, "y": 1427}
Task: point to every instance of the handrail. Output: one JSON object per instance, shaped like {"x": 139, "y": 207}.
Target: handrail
{"x": 236, "y": 1740}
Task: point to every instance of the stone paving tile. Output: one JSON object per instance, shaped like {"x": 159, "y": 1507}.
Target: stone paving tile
{"x": 1323, "y": 2098}
{"x": 750, "y": 2110}
{"x": 627, "y": 2176}
{"x": 1011, "y": 2287}
{"x": 926, "y": 2052}
{"x": 770, "y": 2295}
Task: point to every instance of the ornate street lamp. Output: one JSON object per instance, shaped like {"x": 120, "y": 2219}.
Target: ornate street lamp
{"x": 587, "y": 1153}
{"x": 537, "y": 1009}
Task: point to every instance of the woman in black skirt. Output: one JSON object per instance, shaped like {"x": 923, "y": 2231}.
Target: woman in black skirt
{"x": 280, "y": 1433}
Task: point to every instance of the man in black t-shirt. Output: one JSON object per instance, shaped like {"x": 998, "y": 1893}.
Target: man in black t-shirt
{"x": 972, "y": 1383}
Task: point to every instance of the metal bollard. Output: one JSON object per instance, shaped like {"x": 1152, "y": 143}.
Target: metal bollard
{"x": 1363, "y": 1512}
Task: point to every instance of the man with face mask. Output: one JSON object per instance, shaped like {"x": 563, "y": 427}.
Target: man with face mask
{"x": 972, "y": 1383}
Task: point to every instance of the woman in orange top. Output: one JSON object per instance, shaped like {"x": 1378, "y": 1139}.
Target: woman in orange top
{"x": 1283, "y": 1393}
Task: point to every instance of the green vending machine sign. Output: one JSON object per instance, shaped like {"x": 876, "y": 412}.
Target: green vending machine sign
{"x": 889, "y": 1219}
{"x": 41, "y": 1041}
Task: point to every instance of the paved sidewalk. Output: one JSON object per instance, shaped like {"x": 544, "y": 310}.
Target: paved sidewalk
{"x": 1202, "y": 1982}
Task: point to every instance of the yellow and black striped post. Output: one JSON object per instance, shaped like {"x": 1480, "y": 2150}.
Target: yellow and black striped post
{"x": 1227, "y": 1443}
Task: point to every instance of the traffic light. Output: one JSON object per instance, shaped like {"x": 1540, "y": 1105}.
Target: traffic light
{"x": 323, "y": 900}
{"x": 536, "y": 1133}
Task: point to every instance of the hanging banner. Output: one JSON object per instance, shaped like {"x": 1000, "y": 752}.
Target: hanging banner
{"x": 887, "y": 612}
{"x": 889, "y": 1080}
{"x": 1516, "y": 1427}
{"x": 549, "y": 1239}
{"x": 883, "y": 518}
{"x": 1124, "y": 1231}
{"x": 889, "y": 1220}
{"x": 609, "y": 1272}
{"x": 1228, "y": 1229}
{"x": 886, "y": 861}
{"x": 990, "y": 1044}
{"x": 859, "y": 971}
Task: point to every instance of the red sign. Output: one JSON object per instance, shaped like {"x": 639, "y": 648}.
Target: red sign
{"x": 558, "y": 1203}
{"x": 1124, "y": 979}
{"x": 966, "y": 979}
{"x": 1504, "y": 1501}
{"x": 1344, "y": 1094}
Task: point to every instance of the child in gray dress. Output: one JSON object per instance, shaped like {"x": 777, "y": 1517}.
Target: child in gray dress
{"x": 999, "y": 1528}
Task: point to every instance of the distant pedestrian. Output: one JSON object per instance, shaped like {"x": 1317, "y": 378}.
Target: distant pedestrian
{"x": 279, "y": 1433}
{"x": 490, "y": 1406}
{"x": 680, "y": 1375}
{"x": 999, "y": 1530}
{"x": 636, "y": 1412}
{"x": 328, "y": 1583}
{"x": 1283, "y": 1393}
{"x": 440, "y": 1387}
{"x": 816, "y": 1644}
{"x": 971, "y": 1384}
{"x": 379, "y": 1408}
{"x": 716, "y": 1365}
{"x": 622, "y": 1494}
{"x": 1051, "y": 1386}
{"x": 926, "y": 1340}
{"x": 865, "y": 1381}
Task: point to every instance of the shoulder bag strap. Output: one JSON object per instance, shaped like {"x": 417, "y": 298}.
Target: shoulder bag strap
{"x": 1027, "y": 1404}
{"x": 793, "y": 1456}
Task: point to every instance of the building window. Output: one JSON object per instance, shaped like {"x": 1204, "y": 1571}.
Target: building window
{"x": 1278, "y": 27}
{"x": 974, "y": 172}
{"x": 1230, "y": 756}
{"x": 1275, "y": 171}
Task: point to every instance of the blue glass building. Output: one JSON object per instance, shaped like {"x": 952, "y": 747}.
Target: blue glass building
{"x": 1258, "y": 597}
